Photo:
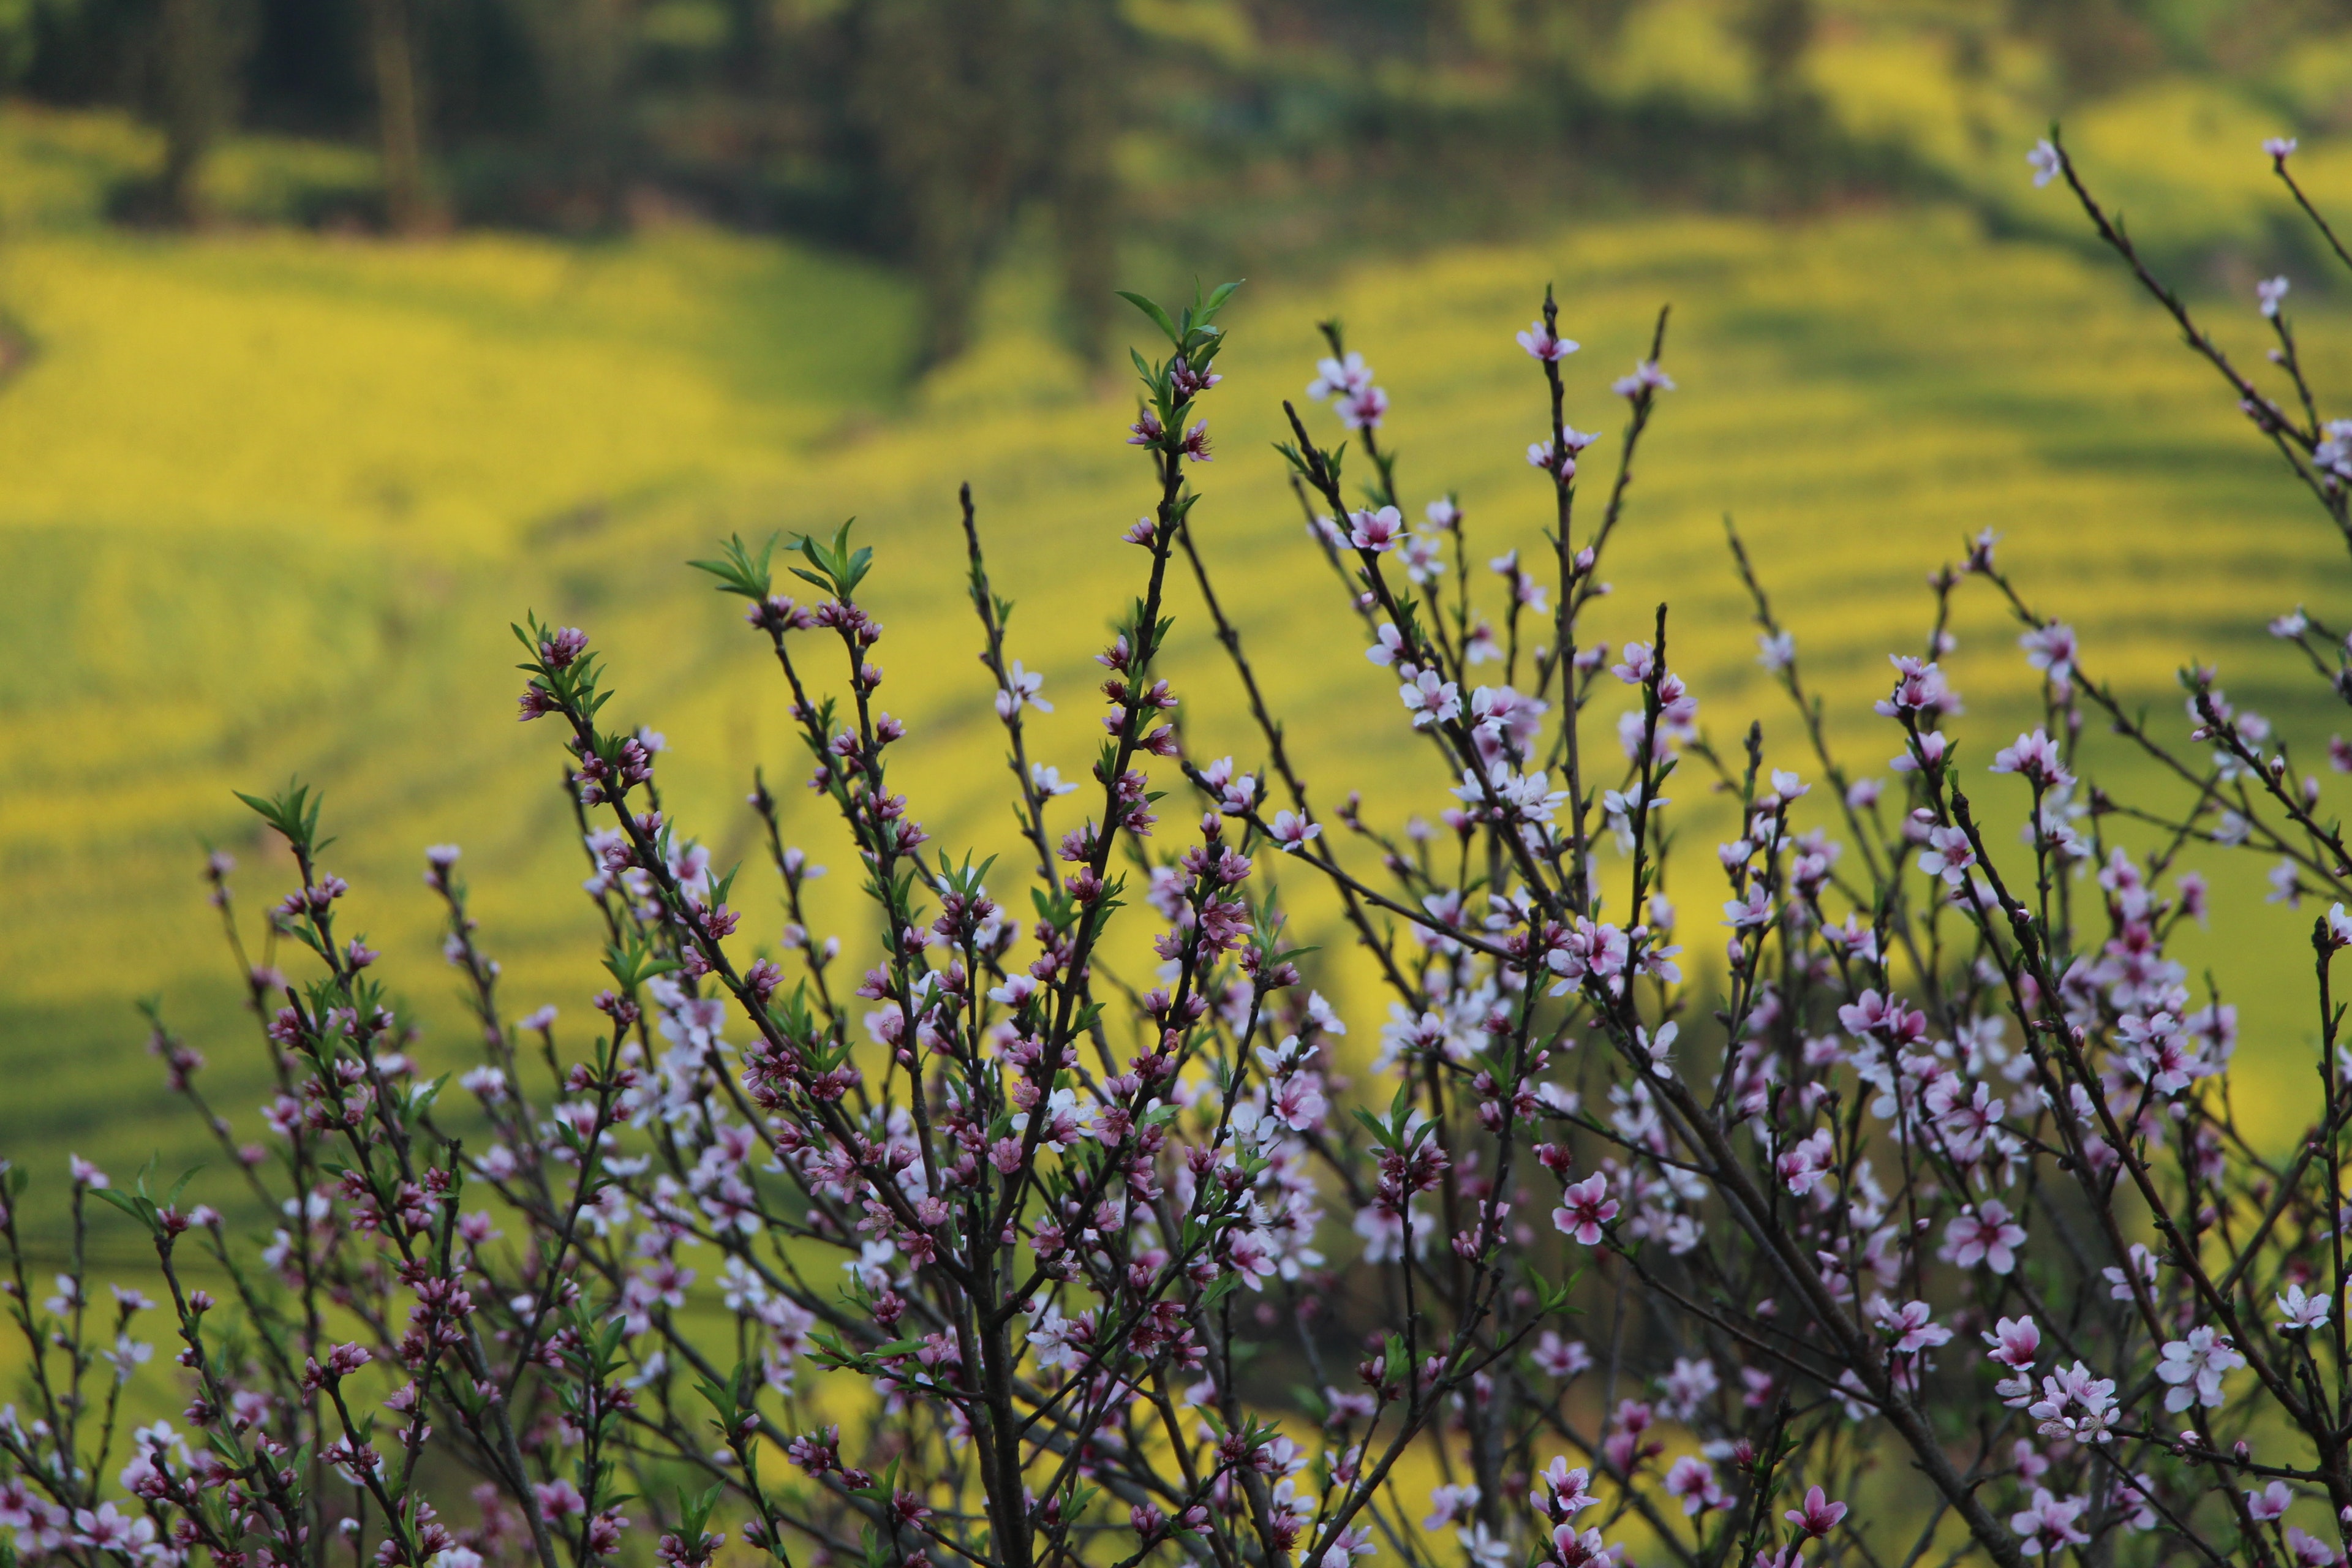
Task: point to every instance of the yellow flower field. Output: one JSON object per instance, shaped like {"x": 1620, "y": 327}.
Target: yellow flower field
{"x": 272, "y": 500}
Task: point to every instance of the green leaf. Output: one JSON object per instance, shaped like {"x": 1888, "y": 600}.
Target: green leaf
{"x": 1159, "y": 317}
{"x": 738, "y": 571}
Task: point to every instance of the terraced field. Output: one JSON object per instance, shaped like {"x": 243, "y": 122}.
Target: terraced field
{"x": 272, "y": 500}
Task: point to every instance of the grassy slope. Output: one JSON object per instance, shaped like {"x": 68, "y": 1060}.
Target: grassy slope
{"x": 273, "y": 500}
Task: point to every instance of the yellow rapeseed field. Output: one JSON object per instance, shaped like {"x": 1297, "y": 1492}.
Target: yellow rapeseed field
{"x": 272, "y": 500}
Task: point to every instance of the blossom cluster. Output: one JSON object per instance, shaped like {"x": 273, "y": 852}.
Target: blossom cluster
{"x": 961, "y": 1238}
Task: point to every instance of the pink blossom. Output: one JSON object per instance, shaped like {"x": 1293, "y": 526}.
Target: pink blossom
{"x": 2156, "y": 1053}
{"x": 2051, "y": 649}
{"x": 1352, "y": 1542}
{"x": 2309, "y": 1551}
{"x": 1692, "y": 1479}
{"x": 1339, "y": 376}
{"x": 1927, "y": 751}
{"x": 1294, "y": 832}
{"x": 1645, "y": 376}
{"x": 2270, "y": 1503}
{"x": 1805, "y": 1164}
{"x": 2194, "y": 1366}
{"x": 2300, "y": 1312}
{"x": 1638, "y": 664}
{"x": 1585, "y": 1207}
{"x": 2075, "y": 1404}
{"x": 2050, "y": 1523}
{"x": 1376, "y": 530}
{"x": 1558, "y": 1358}
{"x": 2036, "y": 757}
{"x": 1984, "y": 1234}
{"x": 2016, "y": 1343}
{"x": 108, "y": 1528}
{"x": 1362, "y": 409}
{"x": 1572, "y": 1491}
{"x": 558, "y": 1500}
{"x": 1817, "y": 1516}
{"x": 1431, "y": 699}
{"x": 1918, "y": 689}
{"x": 1912, "y": 1326}
{"x": 1950, "y": 855}
{"x": 1020, "y": 686}
{"x": 1751, "y": 910}
{"x": 1544, "y": 343}
{"x": 1570, "y": 1549}
{"x": 1448, "y": 1503}
{"x": 2130, "y": 1501}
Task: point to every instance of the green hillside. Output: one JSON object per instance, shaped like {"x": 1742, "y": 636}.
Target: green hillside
{"x": 273, "y": 499}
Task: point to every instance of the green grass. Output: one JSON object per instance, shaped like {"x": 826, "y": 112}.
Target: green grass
{"x": 273, "y": 500}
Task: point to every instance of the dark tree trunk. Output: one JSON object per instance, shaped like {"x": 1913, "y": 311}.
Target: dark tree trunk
{"x": 195, "y": 100}
{"x": 408, "y": 200}
{"x": 585, "y": 61}
{"x": 1083, "y": 59}
{"x": 931, "y": 90}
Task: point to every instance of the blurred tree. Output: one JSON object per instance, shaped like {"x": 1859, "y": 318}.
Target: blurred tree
{"x": 2244, "y": 37}
{"x": 935, "y": 89}
{"x": 927, "y": 130}
{"x": 1794, "y": 123}
{"x": 585, "y": 52}
{"x": 308, "y": 71}
{"x": 2097, "y": 45}
{"x": 479, "y": 68}
{"x": 1777, "y": 32}
{"x": 198, "y": 48}
{"x": 1082, "y": 95}
{"x": 22, "y": 24}
{"x": 408, "y": 199}
{"x": 974, "y": 106}
{"x": 1544, "y": 33}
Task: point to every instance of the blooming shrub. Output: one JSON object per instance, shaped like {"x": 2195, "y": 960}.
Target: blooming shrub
{"x": 1021, "y": 1266}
